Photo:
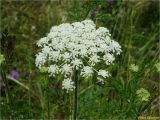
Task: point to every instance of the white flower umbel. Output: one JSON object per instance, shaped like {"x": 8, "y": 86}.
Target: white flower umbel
{"x": 100, "y": 80}
{"x": 101, "y": 75}
{"x": 79, "y": 46}
{"x": 68, "y": 84}
{"x": 87, "y": 71}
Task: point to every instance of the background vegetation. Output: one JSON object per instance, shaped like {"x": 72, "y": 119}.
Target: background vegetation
{"x": 133, "y": 23}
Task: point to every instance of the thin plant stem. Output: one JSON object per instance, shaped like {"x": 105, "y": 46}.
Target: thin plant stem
{"x": 48, "y": 98}
{"x": 75, "y": 95}
{"x": 6, "y": 84}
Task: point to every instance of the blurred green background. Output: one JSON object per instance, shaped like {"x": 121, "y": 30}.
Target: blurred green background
{"x": 133, "y": 23}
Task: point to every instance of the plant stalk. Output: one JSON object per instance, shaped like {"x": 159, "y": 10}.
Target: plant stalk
{"x": 75, "y": 95}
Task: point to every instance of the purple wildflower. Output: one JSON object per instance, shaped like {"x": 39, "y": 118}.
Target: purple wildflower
{"x": 14, "y": 74}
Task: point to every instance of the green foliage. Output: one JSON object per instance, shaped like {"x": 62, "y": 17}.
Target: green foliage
{"x": 133, "y": 24}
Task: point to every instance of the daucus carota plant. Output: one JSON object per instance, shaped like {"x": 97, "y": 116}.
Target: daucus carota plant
{"x": 78, "y": 46}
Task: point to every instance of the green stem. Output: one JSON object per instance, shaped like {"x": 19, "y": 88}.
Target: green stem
{"x": 75, "y": 96}
{"x": 48, "y": 98}
{"x": 6, "y": 84}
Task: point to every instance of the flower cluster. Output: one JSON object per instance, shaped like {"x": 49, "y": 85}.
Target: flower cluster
{"x": 134, "y": 67}
{"x": 143, "y": 94}
{"x": 77, "y": 46}
{"x": 14, "y": 74}
{"x": 157, "y": 65}
{"x": 68, "y": 84}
